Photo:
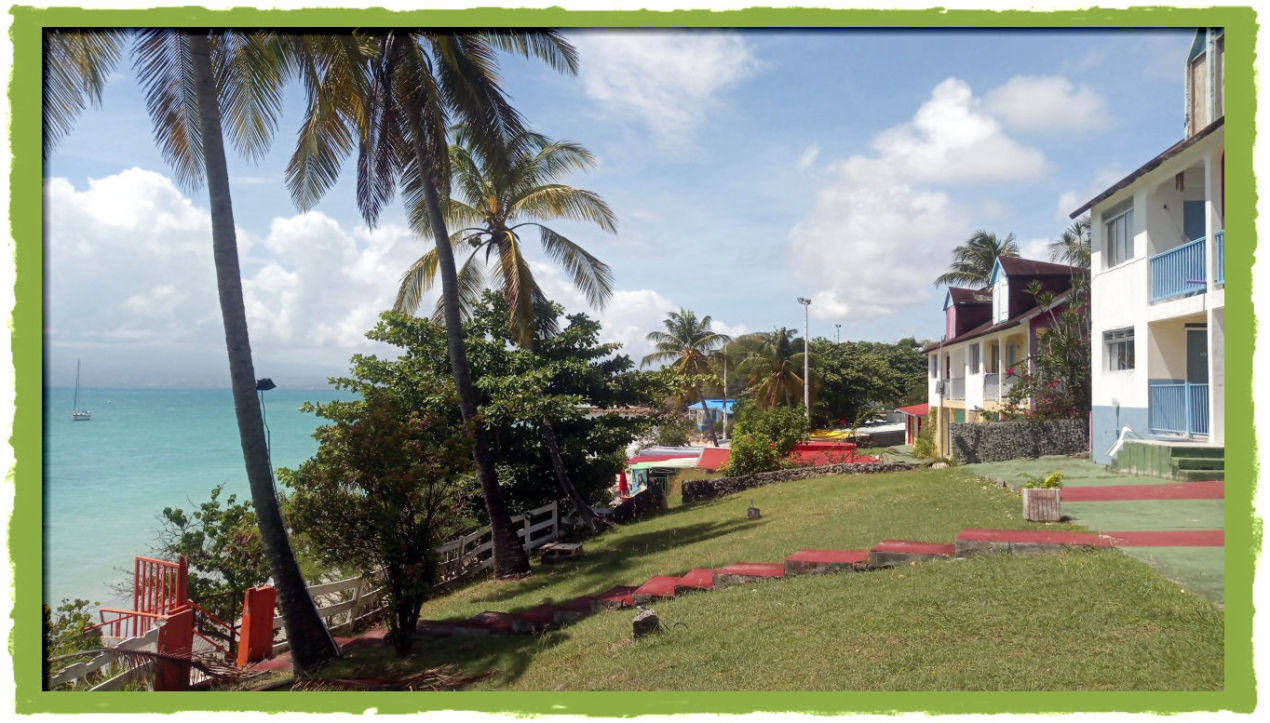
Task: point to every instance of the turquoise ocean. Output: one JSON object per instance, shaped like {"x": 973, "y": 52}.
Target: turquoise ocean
{"x": 106, "y": 481}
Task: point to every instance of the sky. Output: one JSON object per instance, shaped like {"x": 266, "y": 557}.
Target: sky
{"x": 746, "y": 168}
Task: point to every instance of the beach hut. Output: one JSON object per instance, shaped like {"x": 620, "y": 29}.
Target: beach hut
{"x": 914, "y": 418}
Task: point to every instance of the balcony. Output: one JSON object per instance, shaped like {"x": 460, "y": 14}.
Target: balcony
{"x": 955, "y": 388}
{"x": 1179, "y": 271}
{"x": 991, "y": 388}
{"x": 1178, "y": 408}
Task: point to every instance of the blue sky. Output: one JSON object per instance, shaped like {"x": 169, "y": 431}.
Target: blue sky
{"x": 746, "y": 168}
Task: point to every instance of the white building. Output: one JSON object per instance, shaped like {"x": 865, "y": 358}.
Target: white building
{"x": 1158, "y": 288}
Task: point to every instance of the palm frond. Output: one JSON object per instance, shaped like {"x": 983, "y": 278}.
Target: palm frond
{"x": 547, "y": 45}
{"x": 164, "y": 68}
{"x": 561, "y": 201}
{"x": 591, "y": 275}
{"x": 254, "y": 68}
{"x": 77, "y": 65}
{"x": 331, "y": 69}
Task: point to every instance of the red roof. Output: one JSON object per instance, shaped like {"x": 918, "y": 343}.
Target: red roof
{"x": 713, "y": 458}
{"x": 917, "y": 410}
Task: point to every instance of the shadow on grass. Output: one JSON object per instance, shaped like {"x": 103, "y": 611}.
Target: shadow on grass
{"x": 603, "y": 568}
{"x": 505, "y": 657}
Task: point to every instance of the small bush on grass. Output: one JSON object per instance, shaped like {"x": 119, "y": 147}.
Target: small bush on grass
{"x": 1051, "y": 482}
{"x": 924, "y": 446}
{"x": 764, "y": 438}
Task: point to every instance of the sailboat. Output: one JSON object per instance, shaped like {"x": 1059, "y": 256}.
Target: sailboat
{"x": 77, "y": 414}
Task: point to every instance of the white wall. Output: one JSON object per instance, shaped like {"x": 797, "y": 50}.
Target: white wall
{"x": 1118, "y": 297}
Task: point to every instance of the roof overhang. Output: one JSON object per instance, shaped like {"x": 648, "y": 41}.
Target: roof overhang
{"x": 1150, "y": 165}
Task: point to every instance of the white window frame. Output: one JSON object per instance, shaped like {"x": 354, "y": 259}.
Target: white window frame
{"x": 1119, "y": 343}
{"x": 976, "y": 361}
{"x": 1119, "y": 248}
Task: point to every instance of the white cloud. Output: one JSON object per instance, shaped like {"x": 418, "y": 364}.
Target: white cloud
{"x": 1035, "y": 248}
{"x": 951, "y": 140}
{"x": 1101, "y": 180}
{"x": 668, "y": 80}
{"x": 1047, "y": 103}
{"x": 808, "y": 156}
{"x": 881, "y": 226}
{"x": 130, "y": 273}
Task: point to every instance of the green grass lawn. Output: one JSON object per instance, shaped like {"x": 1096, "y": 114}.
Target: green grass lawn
{"x": 1078, "y": 620}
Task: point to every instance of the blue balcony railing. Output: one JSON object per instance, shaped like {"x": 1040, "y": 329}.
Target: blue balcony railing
{"x": 1178, "y": 271}
{"x": 1219, "y": 274}
{"x": 1178, "y": 408}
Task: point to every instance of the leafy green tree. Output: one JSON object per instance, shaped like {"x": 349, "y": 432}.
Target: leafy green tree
{"x": 64, "y": 632}
{"x": 383, "y": 490}
{"x": 225, "y": 554}
{"x": 860, "y": 376}
{"x": 198, "y": 84}
{"x": 1055, "y": 382}
{"x": 392, "y": 94}
{"x": 686, "y": 347}
{"x": 973, "y": 261}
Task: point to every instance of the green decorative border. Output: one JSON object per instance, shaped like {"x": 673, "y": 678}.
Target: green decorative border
{"x": 1243, "y": 533}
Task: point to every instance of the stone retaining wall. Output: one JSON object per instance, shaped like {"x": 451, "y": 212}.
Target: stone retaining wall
{"x": 999, "y": 441}
{"x": 706, "y": 489}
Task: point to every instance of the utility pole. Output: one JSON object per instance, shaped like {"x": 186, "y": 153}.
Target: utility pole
{"x": 806, "y": 358}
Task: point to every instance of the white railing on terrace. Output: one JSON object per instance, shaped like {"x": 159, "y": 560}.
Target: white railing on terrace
{"x": 955, "y": 388}
{"x": 991, "y": 387}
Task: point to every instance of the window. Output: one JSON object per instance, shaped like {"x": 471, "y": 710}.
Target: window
{"x": 1118, "y": 232}
{"x": 934, "y": 367}
{"x": 974, "y": 358}
{"x": 1119, "y": 349}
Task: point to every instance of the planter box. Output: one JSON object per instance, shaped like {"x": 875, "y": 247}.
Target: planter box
{"x": 1042, "y": 505}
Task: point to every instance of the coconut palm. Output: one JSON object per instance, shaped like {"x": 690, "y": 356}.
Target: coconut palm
{"x": 188, "y": 78}
{"x": 391, "y": 94}
{"x": 973, "y": 261}
{"x": 492, "y": 208}
{"x": 771, "y": 363}
{"x": 1072, "y": 248}
{"x": 687, "y": 345}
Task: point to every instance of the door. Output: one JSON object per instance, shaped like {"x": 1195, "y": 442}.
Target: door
{"x": 1193, "y": 219}
{"x": 1197, "y": 380}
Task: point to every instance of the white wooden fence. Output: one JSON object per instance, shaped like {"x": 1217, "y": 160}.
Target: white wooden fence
{"x": 342, "y": 604}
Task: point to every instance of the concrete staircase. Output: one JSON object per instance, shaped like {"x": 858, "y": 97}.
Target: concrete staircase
{"x": 1188, "y": 462}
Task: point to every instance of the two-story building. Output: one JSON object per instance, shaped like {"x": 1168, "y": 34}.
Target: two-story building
{"x": 988, "y": 335}
{"x": 1157, "y": 292}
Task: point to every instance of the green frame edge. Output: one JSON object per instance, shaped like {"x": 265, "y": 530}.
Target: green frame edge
{"x": 1243, "y": 528}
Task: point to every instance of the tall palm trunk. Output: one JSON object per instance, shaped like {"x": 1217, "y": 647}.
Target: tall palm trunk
{"x": 311, "y": 643}
{"x": 510, "y": 559}
{"x": 705, "y": 416}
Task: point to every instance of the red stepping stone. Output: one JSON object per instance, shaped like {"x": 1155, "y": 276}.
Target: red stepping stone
{"x": 490, "y": 621}
{"x": 1212, "y": 490}
{"x": 970, "y": 542}
{"x": 816, "y": 562}
{"x": 436, "y": 628}
{"x": 569, "y": 611}
{"x": 657, "y": 586}
{"x": 1169, "y": 538}
{"x": 534, "y": 618}
{"x": 698, "y": 578}
{"x": 898, "y": 552}
{"x": 616, "y": 597}
{"x": 744, "y": 572}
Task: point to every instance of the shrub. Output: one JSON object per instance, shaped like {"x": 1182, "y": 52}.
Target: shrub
{"x": 1051, "y": 482}
{"x": 673, "y": 431}
{"x": 924, "y": 446}
{"x": 764, "y": 439}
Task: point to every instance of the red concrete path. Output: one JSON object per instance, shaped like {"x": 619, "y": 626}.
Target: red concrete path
{"x": 1214, "y": 490}
{"x": 1169, "y": 538}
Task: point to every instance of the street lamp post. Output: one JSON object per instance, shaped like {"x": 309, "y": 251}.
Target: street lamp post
{"x": 838, "y": 335}
{"x": 806, "y": 357}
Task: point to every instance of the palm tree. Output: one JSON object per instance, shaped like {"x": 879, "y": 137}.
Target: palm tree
{"x": 973, "y": 261}
{"x": 772, "y": 364}
{"x": 188, "y": 78}
{"x": 1072, "y": 248}
{"x": 490, "y": 209}
{"x": 491, "y": 204}
{"x": 391, "y": 94}
{"x": 687, "y": 344}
